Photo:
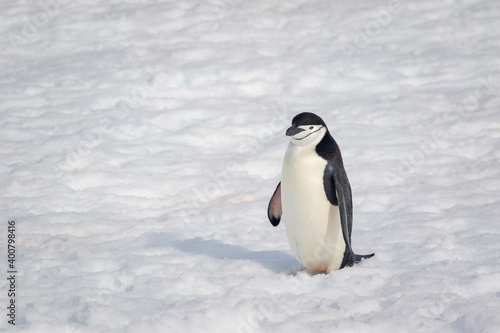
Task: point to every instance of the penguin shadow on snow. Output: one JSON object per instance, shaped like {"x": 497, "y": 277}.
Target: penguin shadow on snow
{"x": 275, "y": 261}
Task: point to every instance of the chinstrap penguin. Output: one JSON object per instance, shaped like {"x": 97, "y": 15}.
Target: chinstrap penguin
{"x": 314, "y": 198}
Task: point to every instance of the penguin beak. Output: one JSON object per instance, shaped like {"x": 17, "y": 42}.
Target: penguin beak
{"x": 293, "y": 131}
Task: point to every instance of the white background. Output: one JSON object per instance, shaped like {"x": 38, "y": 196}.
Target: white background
{"x": 142, "y": 140}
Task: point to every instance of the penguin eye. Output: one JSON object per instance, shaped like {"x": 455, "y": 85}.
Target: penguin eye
{"x": 311, "y": 127}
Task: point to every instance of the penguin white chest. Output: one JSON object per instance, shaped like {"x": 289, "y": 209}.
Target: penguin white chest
{"x": 312, "y": 223}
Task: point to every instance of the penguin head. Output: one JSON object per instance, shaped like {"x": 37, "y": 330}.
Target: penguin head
{"x": 307, "y": 128}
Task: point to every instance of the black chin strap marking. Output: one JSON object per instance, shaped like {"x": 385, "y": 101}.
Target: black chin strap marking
{"x": 309, "y": 134}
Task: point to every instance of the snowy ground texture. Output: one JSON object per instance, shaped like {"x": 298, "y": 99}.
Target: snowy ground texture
{"x": 142, "y": 140}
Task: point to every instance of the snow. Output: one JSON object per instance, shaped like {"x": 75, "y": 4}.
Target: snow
{"x": 142, "y": 140}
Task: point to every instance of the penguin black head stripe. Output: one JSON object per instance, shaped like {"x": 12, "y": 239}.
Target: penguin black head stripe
{"x": 306, "y": 128}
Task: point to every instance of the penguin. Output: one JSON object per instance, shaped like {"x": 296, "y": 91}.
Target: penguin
{"x": 314, "y": 198}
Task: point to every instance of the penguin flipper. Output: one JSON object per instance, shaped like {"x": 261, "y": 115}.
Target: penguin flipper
{"x": 342, "y": 189}
{"x": 338, "y": 192}
{"x": 274, "y": 210}
{"x": 344, "y": 199}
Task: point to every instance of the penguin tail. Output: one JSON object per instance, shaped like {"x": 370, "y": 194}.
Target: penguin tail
{"x": 352, "y": 258}
{"x": 358, "y": 257}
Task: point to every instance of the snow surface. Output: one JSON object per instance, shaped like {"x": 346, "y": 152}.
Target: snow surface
{"x": 142, "y": 140}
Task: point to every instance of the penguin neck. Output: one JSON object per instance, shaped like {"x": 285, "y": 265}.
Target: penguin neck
{"x": 328, "y": 148}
